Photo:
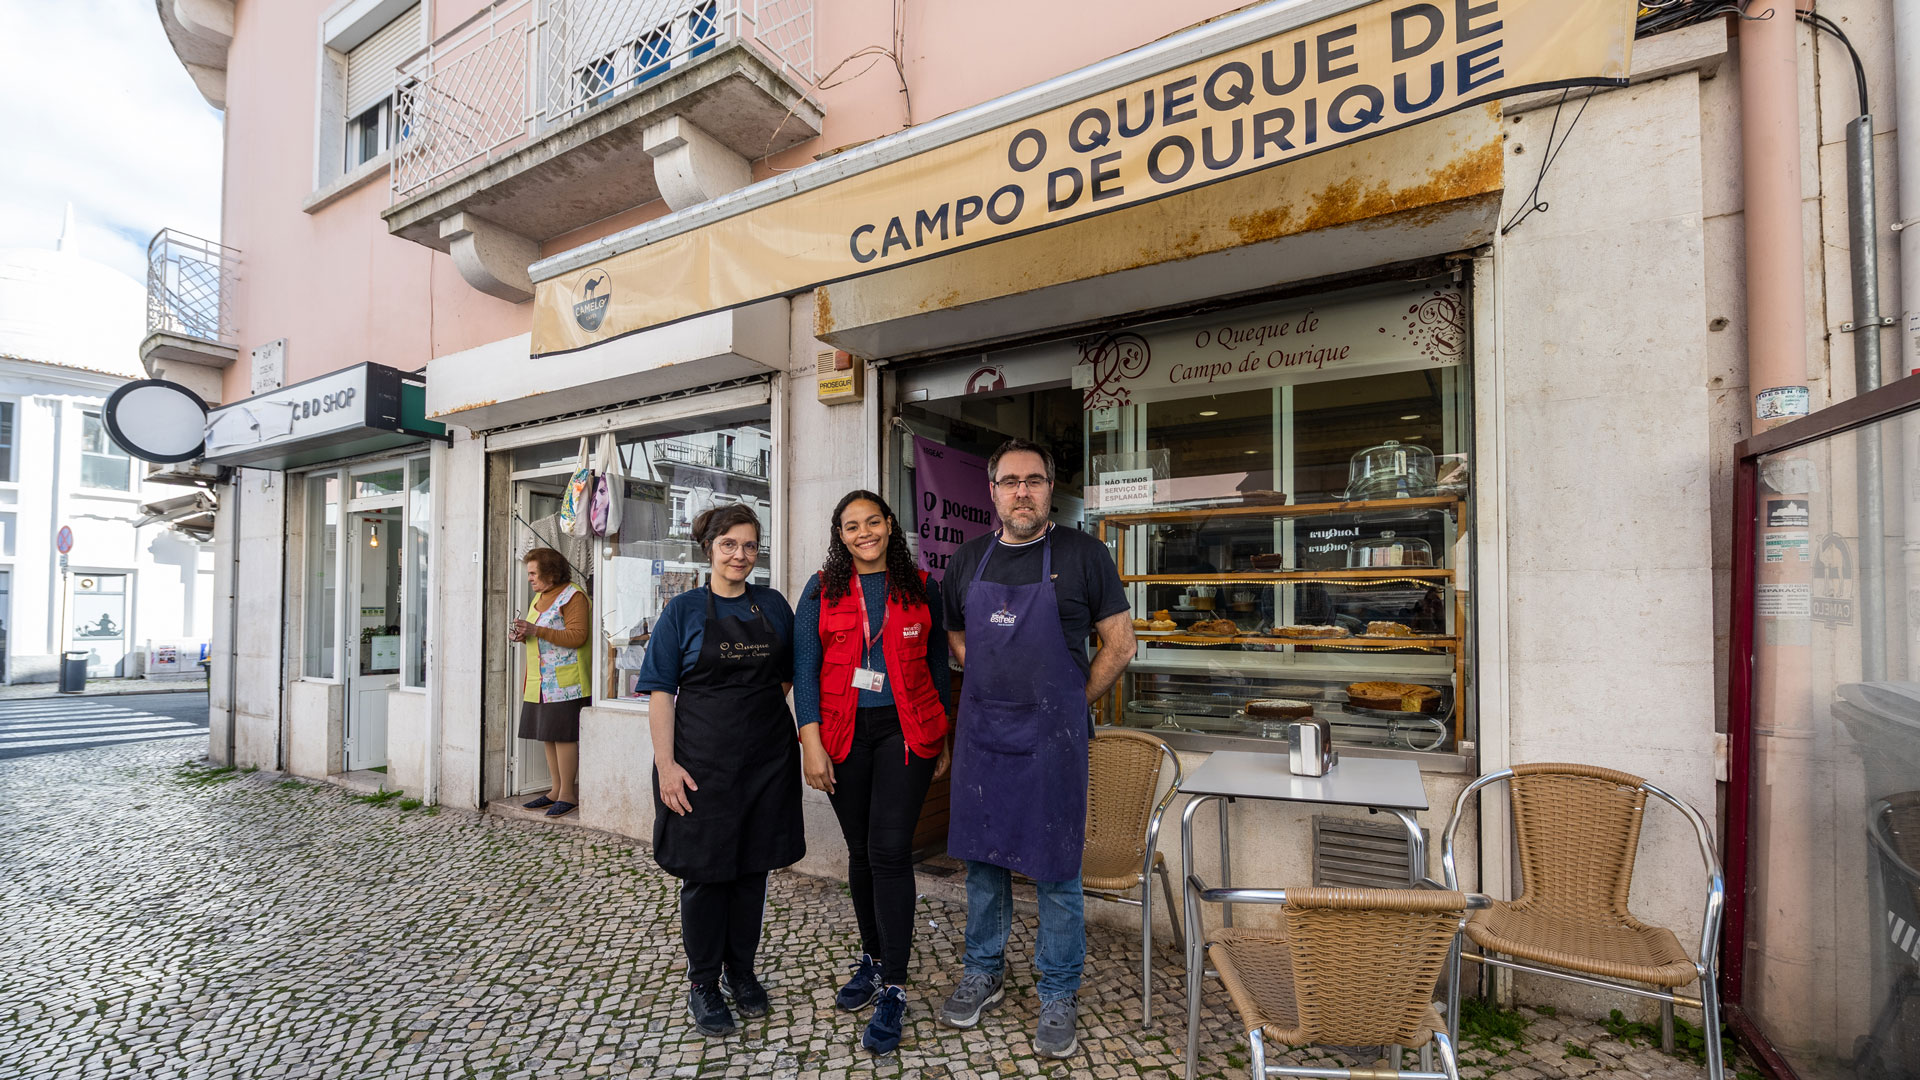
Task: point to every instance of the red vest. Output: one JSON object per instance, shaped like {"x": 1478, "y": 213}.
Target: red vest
{"x": 903, "y": 641}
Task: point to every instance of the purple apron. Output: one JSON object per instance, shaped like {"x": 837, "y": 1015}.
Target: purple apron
{"x": 1020, "y": 747}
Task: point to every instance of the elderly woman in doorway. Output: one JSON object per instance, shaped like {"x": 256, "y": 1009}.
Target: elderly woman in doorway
{"x": 557, "y": 667}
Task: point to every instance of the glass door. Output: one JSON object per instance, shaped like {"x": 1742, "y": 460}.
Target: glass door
{"x": 536, "y": 523}
{"x": 99, "y": 626}
{"x": 374, "y": 539}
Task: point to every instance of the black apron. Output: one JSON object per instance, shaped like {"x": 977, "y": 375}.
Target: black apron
{"x": 733, "y": 734}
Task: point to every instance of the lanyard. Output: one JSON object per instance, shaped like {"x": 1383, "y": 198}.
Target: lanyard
{"x": 860, "y": 590}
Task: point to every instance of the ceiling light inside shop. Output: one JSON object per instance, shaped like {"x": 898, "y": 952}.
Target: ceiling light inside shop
{"x": 1209, "y": 412}
{"x": 1253, "y": 451}
{"x": 1415, "y": 416}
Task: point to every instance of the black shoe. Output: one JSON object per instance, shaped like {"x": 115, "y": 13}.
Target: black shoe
{"x": 540, "y": 803}
{"x": 863, "y": 988}
{"x": 709, "y": 1010}
{"x": 882, "y": 1036}
{"x": 561, "y": 809}
{"x": 747, "y": 993}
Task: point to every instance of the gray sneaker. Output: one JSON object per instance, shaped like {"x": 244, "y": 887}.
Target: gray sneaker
{"x": 976, "y": 994}
{"x": 1055, "y": 1035}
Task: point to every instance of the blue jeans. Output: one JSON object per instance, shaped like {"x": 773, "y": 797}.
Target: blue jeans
{"x": 1059, "y": 953}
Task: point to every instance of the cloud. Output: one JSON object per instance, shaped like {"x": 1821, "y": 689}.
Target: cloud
{"x": 98, "y": 111}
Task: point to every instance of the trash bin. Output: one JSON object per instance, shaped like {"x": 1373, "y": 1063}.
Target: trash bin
{"x": 73, "y": 672}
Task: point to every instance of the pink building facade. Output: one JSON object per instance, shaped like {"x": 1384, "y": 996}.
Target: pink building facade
{"x": 1439, "y": 365}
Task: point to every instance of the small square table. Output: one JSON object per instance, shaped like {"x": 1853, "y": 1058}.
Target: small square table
{"x": 1389, "y": 784}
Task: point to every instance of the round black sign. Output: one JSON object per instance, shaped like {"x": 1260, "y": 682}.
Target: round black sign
{"x": 158, "y": 421}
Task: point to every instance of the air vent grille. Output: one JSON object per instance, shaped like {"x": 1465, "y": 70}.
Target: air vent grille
{"x": 1353, "y": 854}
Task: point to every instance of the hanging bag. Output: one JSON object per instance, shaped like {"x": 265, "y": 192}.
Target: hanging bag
{"x": 574, "y": 509}
{"x": 608, "y": 483}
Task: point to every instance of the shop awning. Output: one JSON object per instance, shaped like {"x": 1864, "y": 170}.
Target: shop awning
{"x": 364, "y": 409}
{"x": 1242, "y": 95}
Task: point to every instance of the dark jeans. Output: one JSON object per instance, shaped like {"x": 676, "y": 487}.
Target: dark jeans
{"x": 877, "y": 794}
{"x": 720, "y": 924}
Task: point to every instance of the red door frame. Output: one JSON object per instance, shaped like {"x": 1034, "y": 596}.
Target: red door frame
{"x": 1868, "y": 408}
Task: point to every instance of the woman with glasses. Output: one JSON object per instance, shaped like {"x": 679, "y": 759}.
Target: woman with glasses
{"x": 870, "y": 672}
{"x": 726, "y": 781}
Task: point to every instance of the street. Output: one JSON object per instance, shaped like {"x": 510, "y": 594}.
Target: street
{"x": 168, "y": 919}
{"x": 49, "y": 724}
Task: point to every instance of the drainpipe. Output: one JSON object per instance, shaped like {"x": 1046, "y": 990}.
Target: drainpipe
{"x": 233, "y": 618}
{"x": 1779, "y": 977}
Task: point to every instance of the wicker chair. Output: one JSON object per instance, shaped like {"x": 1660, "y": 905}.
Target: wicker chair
{"x": 1894, "y": 829}
{"x": 1124, "y": 807}
{"x": 1351, "y": 967}
{"x": 1577, "y": 829}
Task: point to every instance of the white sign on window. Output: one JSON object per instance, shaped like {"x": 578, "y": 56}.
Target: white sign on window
{"x": 386, "y": 652}
{"x": 1130, "y": 489}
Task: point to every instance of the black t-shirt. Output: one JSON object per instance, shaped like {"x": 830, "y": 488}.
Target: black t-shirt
{"x": 1084, "y": 581}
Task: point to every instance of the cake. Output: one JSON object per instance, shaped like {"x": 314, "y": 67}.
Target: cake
{"x": 1389, "y": 629}
{"x": 1279, "y": 709}
{"x": 1269, "y": 562}
{"x": 1163, "y": 615}
{"x": 1300, "y": 632}
{"x": 1215, "y": 627}
{"x": 1393, "y": 697}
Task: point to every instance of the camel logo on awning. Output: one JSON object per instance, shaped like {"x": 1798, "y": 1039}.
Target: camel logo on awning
{"x": 986, "y": 381}
{"x": 590, "y": 306}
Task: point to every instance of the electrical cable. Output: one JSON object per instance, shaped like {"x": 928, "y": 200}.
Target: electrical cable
{"x": 1821, "y": 22}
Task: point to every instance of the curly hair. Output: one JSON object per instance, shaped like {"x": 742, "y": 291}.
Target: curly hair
{"x": 903, "y": 577}
{"x": 550, "y": 565}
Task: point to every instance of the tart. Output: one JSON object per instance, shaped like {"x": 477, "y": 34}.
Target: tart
{"x": 1304, "y": 632}
{"x": 1163, "y": 615}
{"x": 1215, "y": 627}
{"x": 1393, "y": 697}
{"x": 1142, "y": 624}
{"x": 1389, "y": 629}
{"x": 1161, "y": 624}
{"x": 1279, "y": 708}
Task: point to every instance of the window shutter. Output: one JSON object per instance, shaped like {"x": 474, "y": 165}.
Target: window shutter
{"x": 371, "y": 64}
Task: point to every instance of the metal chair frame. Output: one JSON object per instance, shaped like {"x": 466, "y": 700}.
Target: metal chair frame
{"x": 1706, "y": 962}
{"x": 1198, "y": 893}
{"x": 1145, "y": 902}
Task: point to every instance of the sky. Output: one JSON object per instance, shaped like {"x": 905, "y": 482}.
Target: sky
{"x": 96, "y": 109}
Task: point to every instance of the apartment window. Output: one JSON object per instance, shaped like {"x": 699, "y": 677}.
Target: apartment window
{"x": 372, "y": 70}
{"x": 703, "y": 26}
{"x": 6, "y": 440}
{"x": 102, "y": 464}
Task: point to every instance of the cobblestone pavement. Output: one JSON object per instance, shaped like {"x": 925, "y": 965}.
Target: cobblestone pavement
{"x": 160, "y": 919}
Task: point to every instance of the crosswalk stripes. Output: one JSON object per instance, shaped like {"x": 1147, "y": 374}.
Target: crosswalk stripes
{"x": 42, "y": 725}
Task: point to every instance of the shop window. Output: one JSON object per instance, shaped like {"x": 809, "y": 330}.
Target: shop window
{"x": 6, "y": 441}
{"x": 416, "y": 555}
{"x": 1283, "y": 486}
{"x": 102, "y": 463}
{"x": 672, "y": 477}
{"x": 322, "y": 595}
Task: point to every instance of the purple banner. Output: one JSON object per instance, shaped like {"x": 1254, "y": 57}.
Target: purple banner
{"x": 953, "y": 506}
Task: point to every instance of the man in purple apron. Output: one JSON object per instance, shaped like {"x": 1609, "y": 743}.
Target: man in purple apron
{"x": 1021, "y": 604}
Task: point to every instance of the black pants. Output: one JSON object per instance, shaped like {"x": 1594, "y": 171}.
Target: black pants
{"x": 720, "y": 924}
{"x": 877, "y": 794}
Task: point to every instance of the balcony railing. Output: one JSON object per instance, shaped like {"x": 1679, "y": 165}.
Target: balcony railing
{"x": 190, "y": 287}
{"x": 708, "y": 457}
{"x": 508, "y": 75}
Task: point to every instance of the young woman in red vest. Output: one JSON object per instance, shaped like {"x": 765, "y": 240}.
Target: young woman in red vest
{"x": 870, "y": 676}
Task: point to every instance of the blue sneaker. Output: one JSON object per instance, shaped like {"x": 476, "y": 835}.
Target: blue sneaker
{"x": 863, "y": 988}
{"x": 883, "y": 1031}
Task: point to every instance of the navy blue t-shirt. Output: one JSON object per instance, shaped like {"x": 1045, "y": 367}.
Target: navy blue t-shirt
{"x": 682, "y": 628}
{"x": 1085, "y": 581}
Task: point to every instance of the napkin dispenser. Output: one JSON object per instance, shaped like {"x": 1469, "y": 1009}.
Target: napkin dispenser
{"x": 1310, "y": 747}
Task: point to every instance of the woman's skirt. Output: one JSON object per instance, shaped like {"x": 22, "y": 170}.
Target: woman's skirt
{"x": 551, "y": 721}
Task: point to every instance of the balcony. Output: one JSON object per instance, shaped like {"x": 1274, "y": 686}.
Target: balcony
{"x": 190, "y": 327}
{"x": 709, "y": 457}
{"x": 534, "y": 119}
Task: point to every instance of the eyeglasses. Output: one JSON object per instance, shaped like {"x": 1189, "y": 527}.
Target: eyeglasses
{"x": 730, "y": 548}
{"x": 1010, "y": 484}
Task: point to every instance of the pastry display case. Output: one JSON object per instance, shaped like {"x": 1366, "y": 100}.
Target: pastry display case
{"x": 1246, "y": 615}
